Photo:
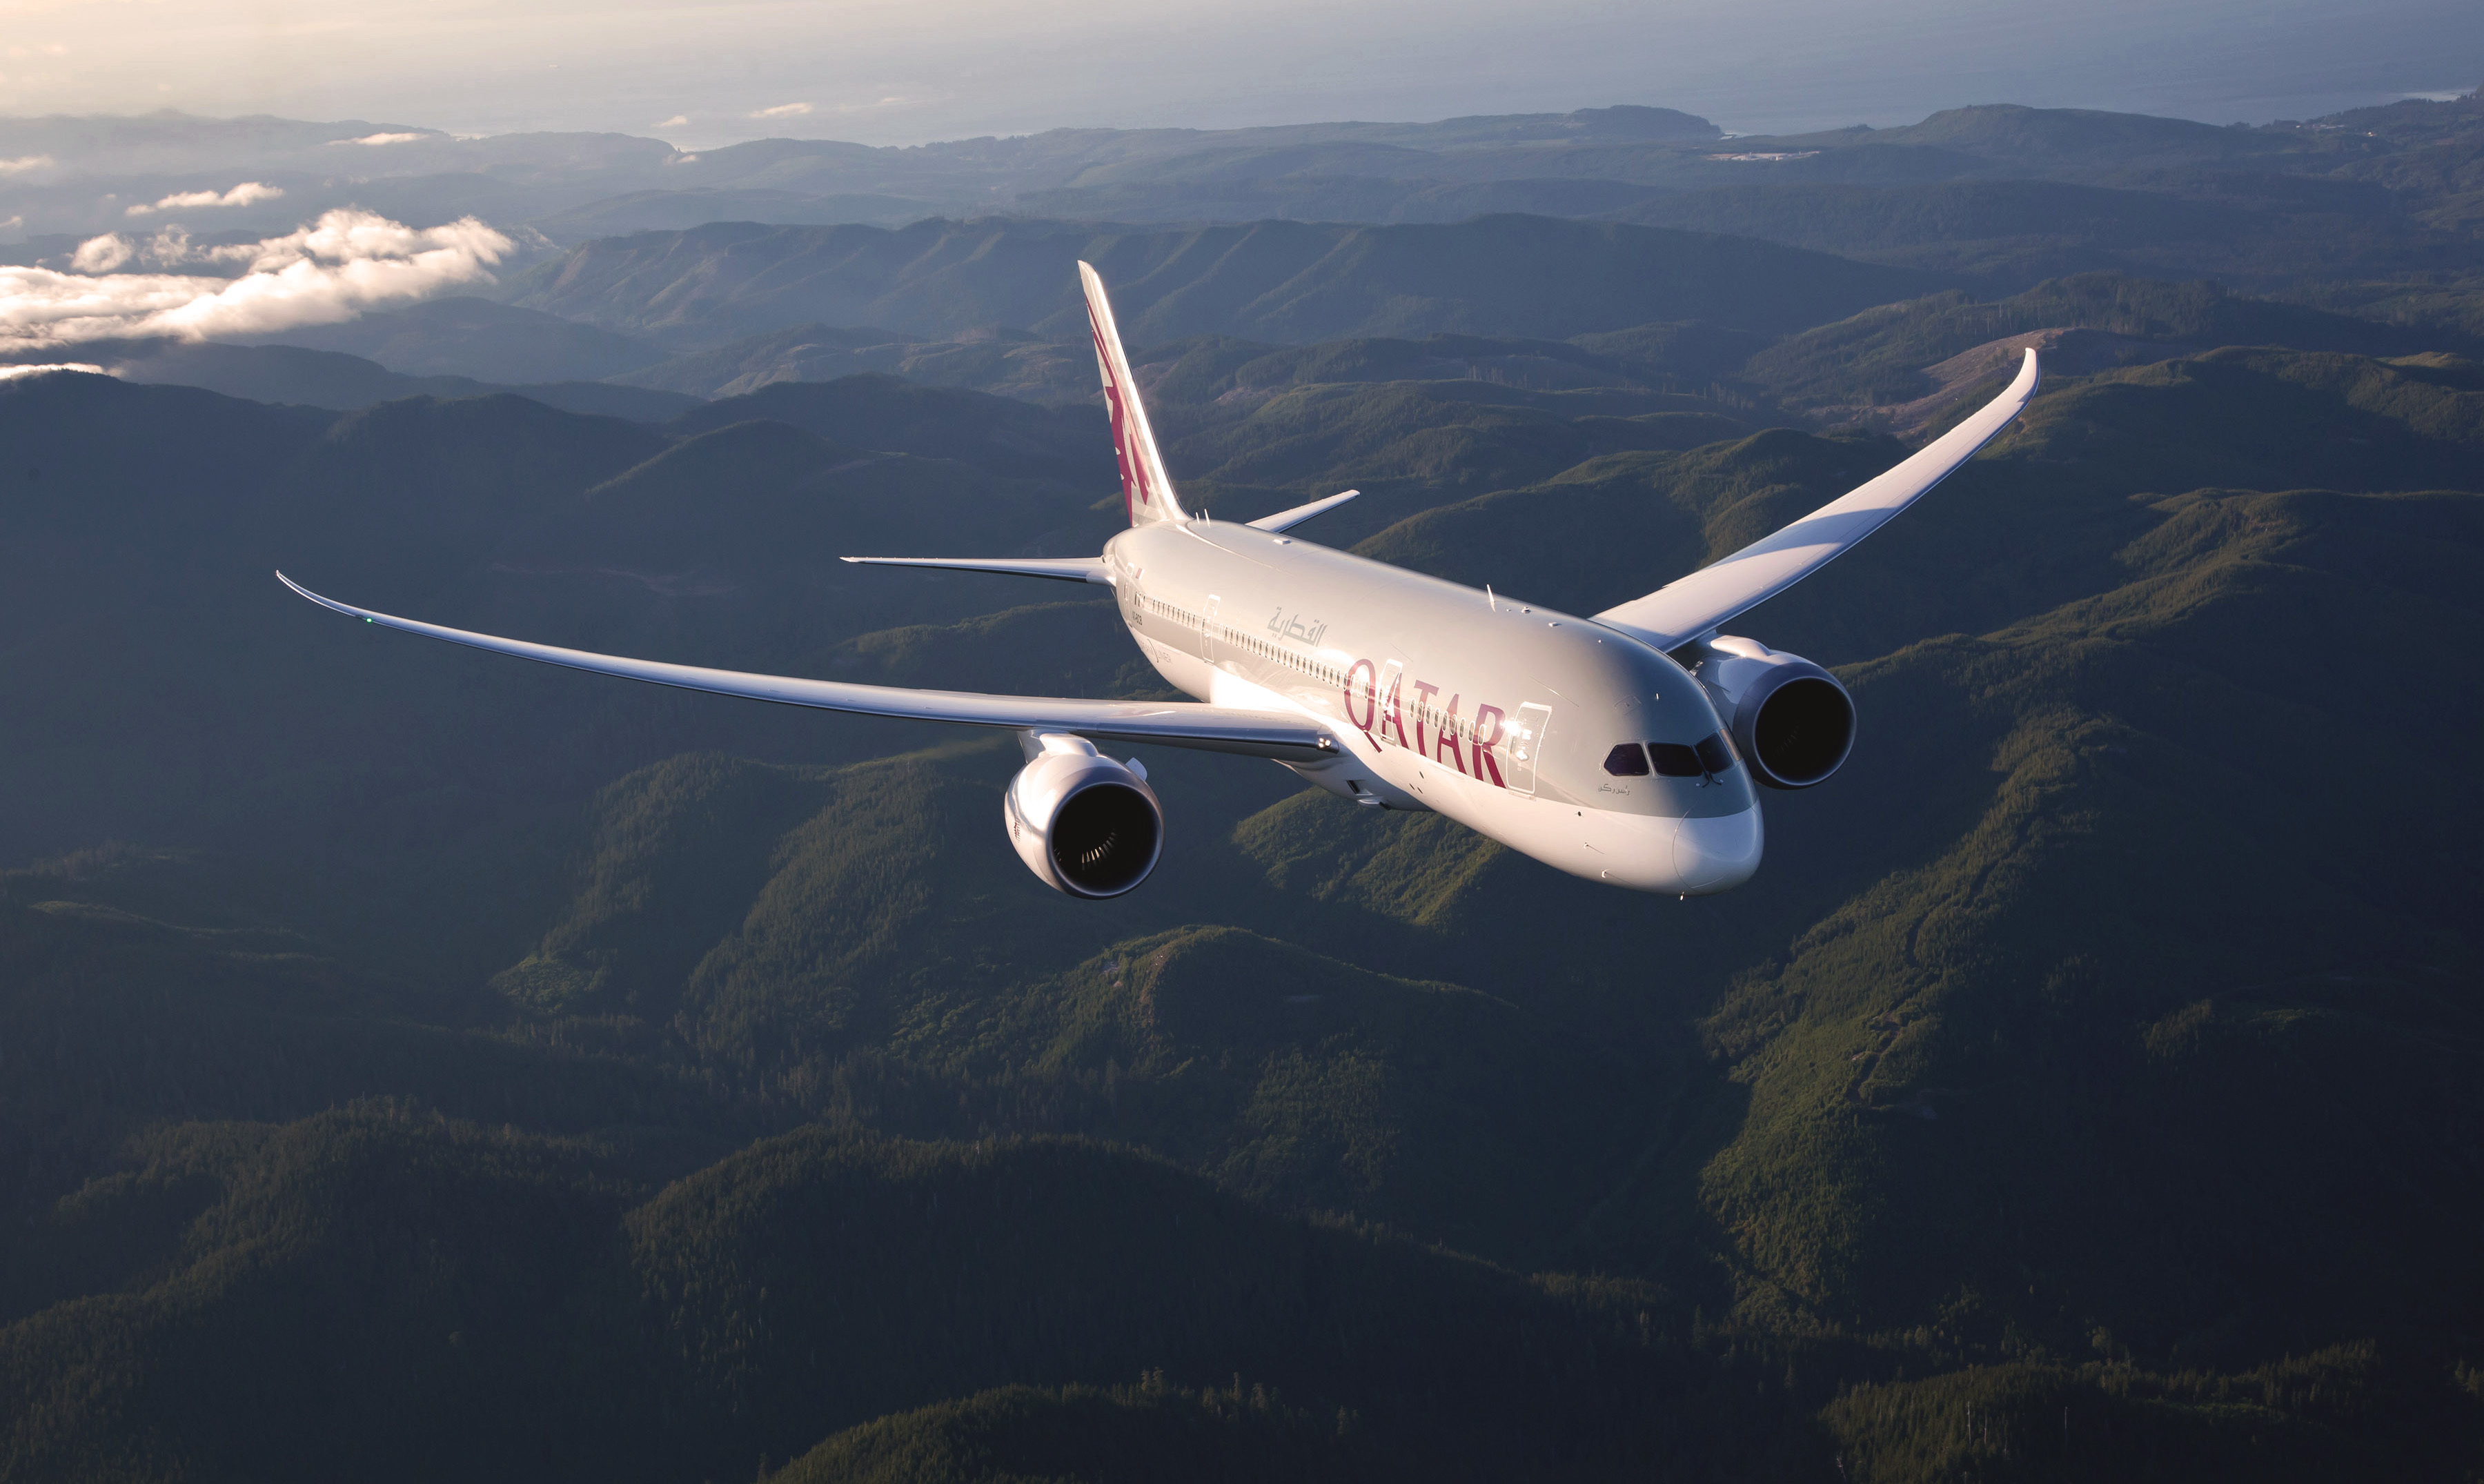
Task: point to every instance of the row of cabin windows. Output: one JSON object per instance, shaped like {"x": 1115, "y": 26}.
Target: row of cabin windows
{"x": 1267, "y": 651}
{"x": 1444, "y": 721}
{"x": 1453, "y": 725}
{"x": 1711, "y": 754}
{"x": 1170, "y": 612}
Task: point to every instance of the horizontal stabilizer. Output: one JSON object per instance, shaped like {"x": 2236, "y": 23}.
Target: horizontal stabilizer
{"x": 1064, "y": 569}
{"x": 1287, "y": 520}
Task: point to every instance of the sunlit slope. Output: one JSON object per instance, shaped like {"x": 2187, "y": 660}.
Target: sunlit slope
{"x": 2035, "y": 521}
{"x": 1137, "y": 1430}
{"x": 2137, "y": 1028}
{"x": 2078, "y": 895}
{"x": 847, "y": 942}
{"x": 1881, "y": 358}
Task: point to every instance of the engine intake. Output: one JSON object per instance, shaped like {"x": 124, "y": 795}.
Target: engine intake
{"x": 1790, "y": 719}
{"x": 1083, "y": 824}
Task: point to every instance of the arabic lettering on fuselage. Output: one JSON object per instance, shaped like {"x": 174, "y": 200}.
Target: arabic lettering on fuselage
{"x": 1305, "y": 631}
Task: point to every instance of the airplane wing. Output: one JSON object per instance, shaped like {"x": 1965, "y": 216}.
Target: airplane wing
{"x": 1688, "y": 608}
{"x": 1194, "y": 724}
{"x": 1287, "y": 520}
{"x": 1066, "y": 569}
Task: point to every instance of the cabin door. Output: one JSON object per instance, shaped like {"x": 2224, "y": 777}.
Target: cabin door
{"x": 1208, "y": 646}
{"x": 1526, "y": 733}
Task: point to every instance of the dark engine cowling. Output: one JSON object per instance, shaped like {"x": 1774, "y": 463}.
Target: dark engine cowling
{"x": 1791, "y": 721}
{"x": 1083, "y": 824}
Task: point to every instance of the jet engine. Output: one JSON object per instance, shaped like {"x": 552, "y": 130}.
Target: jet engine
{"x": 1083, "y": 824}
{"x": 1791, "y": 721}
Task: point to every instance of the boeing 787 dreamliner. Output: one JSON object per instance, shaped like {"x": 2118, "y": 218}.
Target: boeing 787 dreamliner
{"x": 1627, "y": 748}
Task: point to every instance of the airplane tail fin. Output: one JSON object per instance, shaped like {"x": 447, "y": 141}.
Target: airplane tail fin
{"x": 1145, "y": 491}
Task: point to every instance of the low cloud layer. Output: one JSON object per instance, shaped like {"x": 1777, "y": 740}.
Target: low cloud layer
{"x": 21, "y": 372}
{"x": 24, "y": 163}
{"x": 247, "y": 193}
{"x": 384, "y": 138}
{"x": 346, "y": 262}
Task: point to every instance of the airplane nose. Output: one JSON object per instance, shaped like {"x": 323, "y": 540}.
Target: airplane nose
{"x": 1718, "y": 853}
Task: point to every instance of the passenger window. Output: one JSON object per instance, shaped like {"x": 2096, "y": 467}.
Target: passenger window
{"x": 1714, "y": 754}
{"x": 1675, "y": 761}
{"x": 1627, "y": 761}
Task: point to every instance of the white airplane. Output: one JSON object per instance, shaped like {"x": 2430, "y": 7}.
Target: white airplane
{"x": 1622, "y": 747}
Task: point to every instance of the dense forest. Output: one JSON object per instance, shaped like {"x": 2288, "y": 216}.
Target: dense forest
{"x": 416, "y": 1063}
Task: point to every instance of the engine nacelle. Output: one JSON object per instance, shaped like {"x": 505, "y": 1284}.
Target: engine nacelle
{"x": 1791, "y": 721}
{"x": 1083, "y": 824}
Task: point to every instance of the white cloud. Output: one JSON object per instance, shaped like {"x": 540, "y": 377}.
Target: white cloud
{"x": 673, "y": 123}
{"x": 247, "y": 193}
{"x": 21, "y": 372}
{"x": 782, "y": 111}
{"x": 102, "y": 255}
{"x": 346, "y": 262}
{"x": 384, "y": 138}
{"x": 24, "y": 163}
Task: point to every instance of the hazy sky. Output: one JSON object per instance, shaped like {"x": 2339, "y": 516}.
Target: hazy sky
{"x": 901, "y": 71}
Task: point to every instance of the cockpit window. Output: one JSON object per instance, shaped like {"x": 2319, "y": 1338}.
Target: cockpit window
{"x": 1627, "y": 761}
{"x": 1675, "y": 761}
{"x": 1715, "y": 755}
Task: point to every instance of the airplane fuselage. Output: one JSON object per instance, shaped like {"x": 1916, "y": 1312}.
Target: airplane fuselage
{"x": 1579, "y": 742}
{"x": 1498, "y": 713}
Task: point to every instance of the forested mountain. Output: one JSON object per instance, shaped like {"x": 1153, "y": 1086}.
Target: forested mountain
{"x": 1275, "y": 280}
{"x": 417, "y": 1064}
{"x": 2069, "y": 1053}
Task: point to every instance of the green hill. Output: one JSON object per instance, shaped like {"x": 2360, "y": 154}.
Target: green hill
{"x": 331, "y": 379}
{"x": 1134, "y": 1431}
{"x": 2086, "y": 1046}
{"x": 2013, "y": 233}
{"x": 1072, "y": 445}
{"x": 345, "y": 1281}
{"x": 1880, "y": 357}
{"x": 1014, "y": 364}
{"x": 463, "y": 335}
{"x": 494, "y": 512}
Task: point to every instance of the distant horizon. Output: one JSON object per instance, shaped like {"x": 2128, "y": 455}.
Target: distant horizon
{"x": 706, "y": 74}
{"x": 2350, "y": 101}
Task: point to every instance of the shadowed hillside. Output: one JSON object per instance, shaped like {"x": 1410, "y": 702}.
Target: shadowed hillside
{"x": 1276, "y": 281}
{"x": 667, "y": 1088}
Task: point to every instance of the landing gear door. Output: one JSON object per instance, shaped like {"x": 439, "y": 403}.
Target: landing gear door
{"x": 1526, "y": 733}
